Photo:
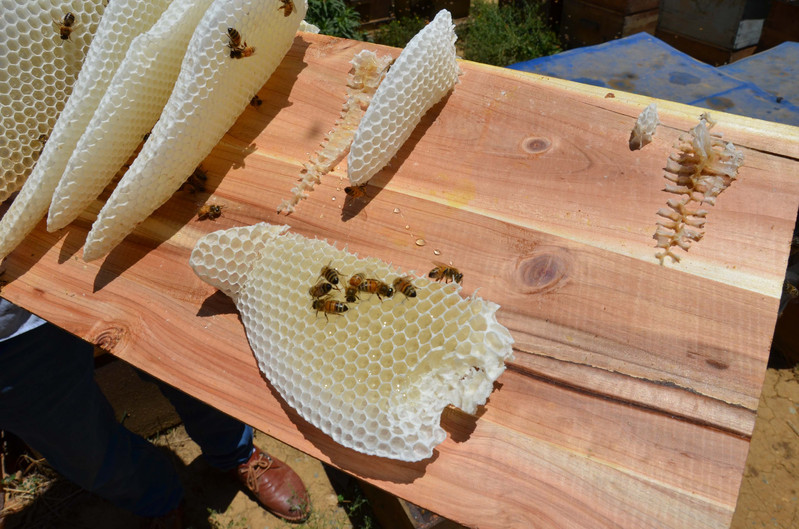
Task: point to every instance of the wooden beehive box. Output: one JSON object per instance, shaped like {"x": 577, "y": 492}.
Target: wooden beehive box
{"x": 584, "y": 23}
{"x": 711, "y": 31}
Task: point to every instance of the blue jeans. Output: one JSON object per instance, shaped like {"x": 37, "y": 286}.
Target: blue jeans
{"x": 48, "y": 398}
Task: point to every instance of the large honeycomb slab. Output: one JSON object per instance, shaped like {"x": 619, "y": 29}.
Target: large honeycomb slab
{"x": 128, "y": 110}
{"x": 122, "y": 21}
{"x": 212, "y": 89}
{"x": 41, "y": 69}
{"x": 420, "y": 77}
{"x": 377, "y": 377}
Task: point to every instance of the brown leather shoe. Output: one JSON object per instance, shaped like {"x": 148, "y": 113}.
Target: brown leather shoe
{"x": 278, "y": 488}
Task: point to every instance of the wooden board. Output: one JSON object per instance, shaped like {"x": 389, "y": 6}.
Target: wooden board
{"x": 634, "y": 388}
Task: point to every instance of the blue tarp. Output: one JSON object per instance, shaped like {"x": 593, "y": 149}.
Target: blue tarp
{"x": 775, "y": 70}
{"x": 645, "y": 65}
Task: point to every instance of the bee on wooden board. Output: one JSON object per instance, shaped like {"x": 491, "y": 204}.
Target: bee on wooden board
{"x": 238, "y": 48}
{"x": 321, "y": 289}
{"x": 356, "y": 191}
{"x": 329, "y": 306}
{"x": 287, "y": 7}
{"x": 375, "y": 286}
{"x": 330, "y": 274}
{"x": 66, "y": 26}
{"x": 351, "y": 294}
{"x": 210, "y": 212}
{"x": 403, "y": 284}
{"x": 446, "y": 272}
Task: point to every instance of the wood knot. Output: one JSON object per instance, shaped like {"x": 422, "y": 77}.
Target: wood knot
{"x": 535, "y": 145}
{"x": 109, "y": 338}
{"x": 543, "y": 271}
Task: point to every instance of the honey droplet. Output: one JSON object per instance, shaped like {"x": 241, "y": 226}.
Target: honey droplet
{"x": 396, "y": 210}
{"x": 420, "y": 242}
{"x": 436, "y": 252}
{"x": 407, "y": 227}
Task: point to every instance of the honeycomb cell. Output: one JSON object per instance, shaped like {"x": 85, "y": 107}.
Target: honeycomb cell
{"x": 382, "y": 392}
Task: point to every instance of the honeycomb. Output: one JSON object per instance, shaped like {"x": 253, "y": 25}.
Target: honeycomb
{"x": 122, "y": 21}
{"x": 422, "y": 74}
{"x": 705, "y": 166}
{"x": 367, "y": 72}
{"x": 644, "y": 127}
{"x": 211, "y": 90}
{"x": 146, "y": 76}
{"x": 375, "y": 378}
{"x": 40, "y": 69}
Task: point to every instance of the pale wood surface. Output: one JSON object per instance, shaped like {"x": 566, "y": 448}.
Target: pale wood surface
{"x": 633, "y": 393}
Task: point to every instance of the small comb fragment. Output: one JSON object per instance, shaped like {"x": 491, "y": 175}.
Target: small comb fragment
{"x": 644, "y": 128}
{"x": 367, "y": 72}
{"x": 705, "y": 166}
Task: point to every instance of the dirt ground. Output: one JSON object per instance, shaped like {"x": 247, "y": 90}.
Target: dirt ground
{"x": 769, "y": 496}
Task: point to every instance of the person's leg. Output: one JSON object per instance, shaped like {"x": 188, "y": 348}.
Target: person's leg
{"x": 49, "y": 398}
{"x": 225, "y": 442}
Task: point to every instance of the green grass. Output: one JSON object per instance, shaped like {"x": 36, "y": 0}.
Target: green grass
{"x": 506, "y": 35}
{"x": 334, "y": 17}
{"x": 397, "y": 33}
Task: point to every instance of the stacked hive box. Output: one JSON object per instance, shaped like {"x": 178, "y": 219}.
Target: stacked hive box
{"x": 712, "y": 31}
{"x": 584, "y": 23}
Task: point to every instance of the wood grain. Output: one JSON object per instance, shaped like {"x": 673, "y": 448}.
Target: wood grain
{"x": 634, "y": 388}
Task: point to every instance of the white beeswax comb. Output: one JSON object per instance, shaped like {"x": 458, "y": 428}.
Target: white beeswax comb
{"x": 420, "y": 77}
{"x": 211, "y": 91}
{"x": 644, "y": 128}
{"x": 122, "y": 21}
{"x": 44, "y": 68}
{"x": 377, "y": 377}
{"x": 128, "y": 110}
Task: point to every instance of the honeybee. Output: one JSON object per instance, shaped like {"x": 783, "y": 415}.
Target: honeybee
{"x": 447, "y": 272}
{"x": 196, "y": 181}
{"x": 330, "y": 274}
{"x": 356, "y": 191}
{"x": 238, "y": 48}
{"x": 256, "y": 101}
{"x": 351, "y": 294}
{"x": 357, "y": 279}
{"x": 375, "y": 286}
{"x": 320, "y": 289}
{"x": 66, "y": 25}
{"x": 43, "y": 140}
{"x": 210, "y": 212}
{"x": 287, "y": 7}
{"x": 329, "y": 306}
{"x": 403, "y": 284}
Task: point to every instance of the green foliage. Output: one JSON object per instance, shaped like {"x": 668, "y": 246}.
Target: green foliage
{"x": 397, "y": 33}
{"x": 505, "y": 35}
{"x": 334, "y": 17}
